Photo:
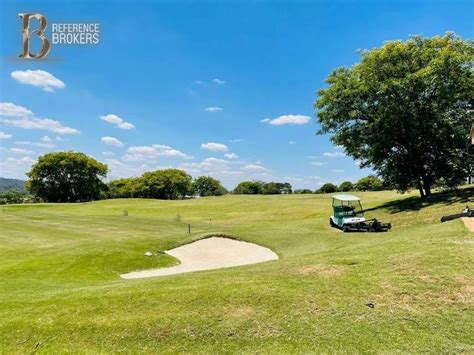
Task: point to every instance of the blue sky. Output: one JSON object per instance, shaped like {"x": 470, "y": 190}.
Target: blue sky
{"x": 216, "y": 88}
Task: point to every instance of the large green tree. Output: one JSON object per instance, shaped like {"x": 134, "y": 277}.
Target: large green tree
{"x": 208, "y": 186}
{"x": 405, "y": 110}
{"x": 66, "y": 177}
{"x": 167, "y": 184}
{"x": 249, "y": 188}
{"x": 125, "y": 188}
{"x": 327, "y": 188}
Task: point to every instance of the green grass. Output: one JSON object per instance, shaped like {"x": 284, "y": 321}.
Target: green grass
{"x": 60, "y": 289}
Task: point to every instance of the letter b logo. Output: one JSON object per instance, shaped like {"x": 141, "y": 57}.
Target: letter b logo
{"x": 46, "y": 46}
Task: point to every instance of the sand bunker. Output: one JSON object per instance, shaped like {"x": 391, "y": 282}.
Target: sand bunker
{"x": 469, "y": 223}
{"x": 207, "y": 254}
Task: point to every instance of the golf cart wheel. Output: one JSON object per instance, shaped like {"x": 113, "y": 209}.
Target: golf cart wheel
{"x": 331, "y": 223}
{"x": 345, "y": 228}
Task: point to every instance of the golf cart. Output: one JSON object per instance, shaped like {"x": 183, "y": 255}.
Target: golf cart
{"x": 349, "y": 216}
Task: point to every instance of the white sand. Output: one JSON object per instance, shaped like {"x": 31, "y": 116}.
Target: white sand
{"x": 207, "y": 254}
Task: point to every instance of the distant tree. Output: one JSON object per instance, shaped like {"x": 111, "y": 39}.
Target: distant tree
{"x": 168, "y": 184}
{"x": 66, "y": 177}
{"x": 249, "y": 188}
{"x": 14, "y": 196}
{"x": 405, "y": 110}
{"x": 208, "y": 186}
{"x": 303, "y": 191}
{"x": 346, "y": 186}
{"x": 125, "y": 188}
{"x": 327, "y": 188}
{"x": 276, "y": 188}
{"x": 369, "y": 183}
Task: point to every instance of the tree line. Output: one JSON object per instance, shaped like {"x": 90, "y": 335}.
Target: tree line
{"x": 74, "y": 177}
{"x": 368, "y": 183}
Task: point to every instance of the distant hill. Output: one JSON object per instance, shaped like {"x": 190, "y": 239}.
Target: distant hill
{"x": 11, "y": 184}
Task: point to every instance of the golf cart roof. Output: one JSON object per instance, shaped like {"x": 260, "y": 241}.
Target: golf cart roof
{"x": 346, "y": 198}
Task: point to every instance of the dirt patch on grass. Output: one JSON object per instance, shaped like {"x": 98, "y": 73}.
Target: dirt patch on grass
{"x": 404, "y": 297}
{"x": 469, "y": 223}
{"x": 266, "y": 331}
{"x": 241, "y": 312}
{"x": 322, "y": 270}
{"x": 466, "y": 291}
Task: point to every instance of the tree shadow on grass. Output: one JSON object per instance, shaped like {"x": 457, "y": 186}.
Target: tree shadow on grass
{"x": 416, "y": 203}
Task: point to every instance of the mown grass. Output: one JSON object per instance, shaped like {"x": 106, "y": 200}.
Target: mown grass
{"x": 410, "y": 290}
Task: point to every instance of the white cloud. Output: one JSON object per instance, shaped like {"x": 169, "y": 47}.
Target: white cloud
{"x": 287, "y": 119}
{"x": 166, "y": 150}
{"x": 254, "y": 168}
{"x": 108, "y": 154}
{"x": 59, "y": 139}
{"x": 231, "y": 156}
{"x": 24, "y": 118}
{"x": 146, "y": 152}
{"x": 214, "y": 109}
{"x": 46, "y": 139}
{"x": 16, "y": 167}
{"x": 316, "y": 163}
{"x": 4, "y": 135}
{"x": 237, "y": 140}
{"x": 335, "y": 154}
{"x": 337, "y": 170}
{"x": 142, "y": 150}
{"x": 21, "y": 151}
{"x": 40, "y": 123}
{"x": 218, "y": 81}
{"x": 39, "y": 78}
{"x": 111, "y": 141}
{"x": 118, "y": 121}
{"x": 208, "y": 164}
{"x": 35, "y": 144}
{"x": 11, "y": 110}
{"x": 214, "y": 147}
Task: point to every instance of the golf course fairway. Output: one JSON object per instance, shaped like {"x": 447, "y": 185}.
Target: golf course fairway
{"x": 408, "y": 290}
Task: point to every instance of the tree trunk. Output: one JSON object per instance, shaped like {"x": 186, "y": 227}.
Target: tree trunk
{"x": 420, "y": 188}
{"x": 428, "y": 190}
{"x": 426, "y": 185}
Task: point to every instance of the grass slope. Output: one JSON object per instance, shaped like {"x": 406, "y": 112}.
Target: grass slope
{"x": 60, "y": 289}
